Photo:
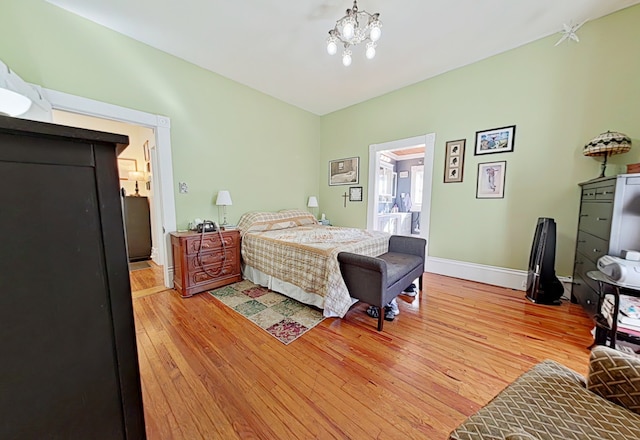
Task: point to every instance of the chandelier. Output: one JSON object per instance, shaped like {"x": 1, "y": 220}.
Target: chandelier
{"x": 354, "y": 28}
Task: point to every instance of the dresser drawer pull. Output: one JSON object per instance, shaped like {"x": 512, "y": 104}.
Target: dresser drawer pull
{"x": 584, "y": 215}
{"x": 601, "y": 219}
{"x": 588, "y": 301}
{"x": 578, "y": 263}
{"x": 582, "y": 241}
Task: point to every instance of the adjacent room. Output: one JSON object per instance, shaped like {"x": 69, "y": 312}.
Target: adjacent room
{"x": 182, "y": 277}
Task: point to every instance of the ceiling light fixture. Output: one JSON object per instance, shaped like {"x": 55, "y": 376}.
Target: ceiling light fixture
{"x": 569, "y": 32}
{"x": 354, "y": 28}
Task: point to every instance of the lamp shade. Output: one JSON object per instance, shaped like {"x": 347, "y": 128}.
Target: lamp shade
{"x": 224, "y": 198}
{"x": 138, "y": 176}
{"x": 607, "y": 144}
{"x": 313, "y": 202}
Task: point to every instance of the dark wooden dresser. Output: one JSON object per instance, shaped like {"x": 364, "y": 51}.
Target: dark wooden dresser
{"x": 137, "y": 222}
{"x": 69, "y": 366}
{"x": 215, "y": 265}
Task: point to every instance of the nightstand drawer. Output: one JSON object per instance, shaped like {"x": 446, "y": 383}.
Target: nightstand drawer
{"x": 212, "y": 273}
{"x": 211, "y": 241}
{"x": 215, "y": 259}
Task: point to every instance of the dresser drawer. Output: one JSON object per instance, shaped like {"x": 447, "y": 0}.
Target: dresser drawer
{"x": 591, "y": 246}
{"x": 595, "y": 218}
{"x": 210, "y": 242}
{"x": 584, "y": 265}
{"x": 605, "y": 192}
{"x": 585, "y": 295}
{"x": 588, "y": 193}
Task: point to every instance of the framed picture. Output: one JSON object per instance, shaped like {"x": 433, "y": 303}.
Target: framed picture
{"x": 355, "y": 194}
{"x": 344, "y": 171}
{"x": 126, "y": 165}
{"x": 454, "y": 161}
{"x": 491, "y": 180}
{"x": 496, "y": 140}
{"x": 145, "y": 148}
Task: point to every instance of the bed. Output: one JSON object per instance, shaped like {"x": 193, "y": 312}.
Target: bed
{"x": 290, "y": 253}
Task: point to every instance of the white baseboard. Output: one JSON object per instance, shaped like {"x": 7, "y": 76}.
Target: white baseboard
{"x": 171, "y": 272}
{"x": 497, "y": 276}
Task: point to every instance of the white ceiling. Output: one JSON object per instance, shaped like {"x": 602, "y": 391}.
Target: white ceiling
{"x": 279, "y": 46}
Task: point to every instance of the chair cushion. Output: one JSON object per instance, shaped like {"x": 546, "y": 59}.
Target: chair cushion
{"x": 550, "y": 402}
{"x": 615, "y": 376}
{"x": 399, "y": 265}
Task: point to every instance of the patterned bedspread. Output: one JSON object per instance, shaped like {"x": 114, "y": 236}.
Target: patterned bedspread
{"x": 306, "y": 256}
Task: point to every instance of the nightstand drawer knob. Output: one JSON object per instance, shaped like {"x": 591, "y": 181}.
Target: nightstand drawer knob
{"x": 596, "y": 250}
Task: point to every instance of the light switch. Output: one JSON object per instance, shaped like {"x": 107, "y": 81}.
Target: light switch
{"x": 183, "y": 188}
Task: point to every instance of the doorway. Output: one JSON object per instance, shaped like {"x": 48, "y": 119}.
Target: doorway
{"x": 136, "y": 182}
{"x": 400, "y": 181}
{"x": 163, "y": 212}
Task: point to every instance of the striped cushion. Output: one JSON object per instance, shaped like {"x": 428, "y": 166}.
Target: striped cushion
{"x": 615, "y": 376}
{"x": 550, "y": 402}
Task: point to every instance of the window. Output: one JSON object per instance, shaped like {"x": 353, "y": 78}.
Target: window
{"x": 386, "y": 183}
{"x": 417, "y": 184}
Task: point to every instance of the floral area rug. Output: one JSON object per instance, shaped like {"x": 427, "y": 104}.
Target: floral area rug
{"x": 282, "y": 317}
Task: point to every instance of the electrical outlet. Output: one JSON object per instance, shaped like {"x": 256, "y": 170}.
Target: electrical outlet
{"x": 183, "y": 188}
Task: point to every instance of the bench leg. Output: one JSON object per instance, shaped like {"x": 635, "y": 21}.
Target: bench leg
{"x": 420, "y": 282}
{"x": 381, "y": 319}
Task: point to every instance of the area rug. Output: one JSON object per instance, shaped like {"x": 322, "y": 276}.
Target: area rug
{"x": 282, "y": 317}
{"x": 138, "y": 265}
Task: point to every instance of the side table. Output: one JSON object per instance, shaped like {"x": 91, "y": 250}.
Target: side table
{"x": 204, "y": 261}
{"x": 605, "y": 330}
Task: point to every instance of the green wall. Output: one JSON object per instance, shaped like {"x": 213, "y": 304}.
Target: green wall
{"x": 271, "y": 155}
{"x": 558, "y": 97}
{"x": 224, "y": 135}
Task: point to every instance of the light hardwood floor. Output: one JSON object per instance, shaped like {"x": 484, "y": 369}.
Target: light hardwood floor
{"x": 207, "y": 373}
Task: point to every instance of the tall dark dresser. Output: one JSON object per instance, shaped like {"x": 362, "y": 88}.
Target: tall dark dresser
{"x": 138, "y": 227}
{"x": 69, "y": 365}
{"x": 609, "y": 222}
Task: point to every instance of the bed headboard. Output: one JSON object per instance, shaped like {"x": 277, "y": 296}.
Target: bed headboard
{"x": 268, "y": 221}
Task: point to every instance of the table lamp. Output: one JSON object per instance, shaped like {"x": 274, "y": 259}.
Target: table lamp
{"x": 138, "y": 176}
{"x": 224, "y": 200}
{"x": 312, "y": 203}
{"x": 607, "y": 144}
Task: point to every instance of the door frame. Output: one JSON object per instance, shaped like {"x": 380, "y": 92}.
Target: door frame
{"x": 428, "y": 140}
{"x": 164, "y": 199}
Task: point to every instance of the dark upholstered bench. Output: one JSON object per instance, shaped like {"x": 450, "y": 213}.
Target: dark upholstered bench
{"x": 377, "y": 280}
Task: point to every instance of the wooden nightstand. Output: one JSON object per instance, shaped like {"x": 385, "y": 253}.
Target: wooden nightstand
{"x": 195, "y": 271}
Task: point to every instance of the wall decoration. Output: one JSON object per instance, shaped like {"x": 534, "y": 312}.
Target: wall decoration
{"x": 403, "y": 174}
{"x": 491, "y": 180}
{"x": 496, "y": 140}
{"x": 355, "y": 194}
{"x": 454, "y": 161}
{"x": 344, "y": 171}
{"x": 126, "y": 165}
{"x": 145, "y": 148}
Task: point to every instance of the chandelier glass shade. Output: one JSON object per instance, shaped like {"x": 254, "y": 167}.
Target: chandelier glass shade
{"x": 354, "y": 28}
